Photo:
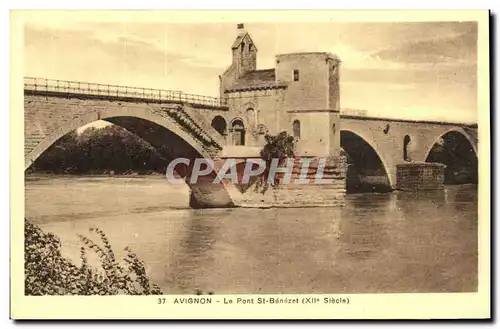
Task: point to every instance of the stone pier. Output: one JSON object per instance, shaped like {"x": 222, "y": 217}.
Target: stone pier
{"x": 329, "y": 191}
{"x": 417, "y": 176}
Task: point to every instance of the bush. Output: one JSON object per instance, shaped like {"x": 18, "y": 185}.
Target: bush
{"x": 279, "y": 147}
{"x": 47, "y": 272}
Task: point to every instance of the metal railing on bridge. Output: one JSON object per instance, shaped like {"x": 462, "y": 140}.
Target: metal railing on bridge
{"x": 95, "y": 89}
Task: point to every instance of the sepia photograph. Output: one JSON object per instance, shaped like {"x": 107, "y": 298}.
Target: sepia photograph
{"x": 290, "y": 162}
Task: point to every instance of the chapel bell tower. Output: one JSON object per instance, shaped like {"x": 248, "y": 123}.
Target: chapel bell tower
{"x": 244, "y": 52}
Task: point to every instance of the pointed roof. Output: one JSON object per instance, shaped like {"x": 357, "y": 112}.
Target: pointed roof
{"x": 239, "y": 39}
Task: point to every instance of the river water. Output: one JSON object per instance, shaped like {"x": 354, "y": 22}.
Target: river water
{"x": 394, "y": 242}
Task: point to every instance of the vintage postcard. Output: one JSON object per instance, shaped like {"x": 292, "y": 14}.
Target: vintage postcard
{"x": 250, "y": 165}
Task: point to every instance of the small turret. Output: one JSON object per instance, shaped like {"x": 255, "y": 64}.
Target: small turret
{"x": 244, "y": 52}
{"x": 244, "y": 60}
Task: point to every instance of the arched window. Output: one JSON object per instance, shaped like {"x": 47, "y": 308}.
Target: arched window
{"x": 238, "y": 132}
{"x": 262, "y": 130}
{"x": 250, "y": 47}
{"x": 251, "y": 117}
{"x": 242, "y": 46}
{"x": 261, "y": 133}
{"x": 219, "y": 124}
{"x": 295, "y": 75}
{"x": 296, "y": 129}
{"x": 406, "y": 142}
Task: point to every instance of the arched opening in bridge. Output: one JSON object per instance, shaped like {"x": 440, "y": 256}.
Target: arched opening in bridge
{"x": 130, "y": 146}
{"x": 219, "y": 124}
{"x": 406, "y": 142}
{"x": 238, "y": 132}
{"x": 366, "y": 172}
{"x": 100, "y": 149}
{"x": 456, "y": 152}
{"x": 296, "y": 129}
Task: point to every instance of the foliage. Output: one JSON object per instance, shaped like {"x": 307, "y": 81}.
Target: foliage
{"x": 47, "y": 272}
{"x": 100, "y": 150}
{"x": 281, "y": 147}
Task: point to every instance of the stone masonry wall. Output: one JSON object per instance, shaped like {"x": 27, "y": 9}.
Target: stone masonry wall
{"x": 420, "y": 176}
{"x": 311, "y": 91}
{"x": 302, "y": 195}
{"x": 267, "y": 113}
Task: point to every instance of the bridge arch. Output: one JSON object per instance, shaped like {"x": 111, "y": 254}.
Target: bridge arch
{"x": 119, "y": 116}
{"x": 370, "y": 170}
{"x": 152, "y": 124}
{"x": 458, "y": 152}
{"x": 452, "y": 130}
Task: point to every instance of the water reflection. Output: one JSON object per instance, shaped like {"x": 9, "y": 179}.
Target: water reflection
{"x": 416, "y": 204}
{"x": 194, "y": 253}
{"x": 364, "y": 226}
{"x": 464, "y": 197}
{"x": 395, "y": 242}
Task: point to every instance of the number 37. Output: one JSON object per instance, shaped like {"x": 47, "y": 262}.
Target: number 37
{"x": 162, "y": 300}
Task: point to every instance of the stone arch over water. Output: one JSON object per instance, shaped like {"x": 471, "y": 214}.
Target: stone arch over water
{"x": 366, "y": 169}
{"x": 163, "y": 132}
{"x": 455, "y": 150}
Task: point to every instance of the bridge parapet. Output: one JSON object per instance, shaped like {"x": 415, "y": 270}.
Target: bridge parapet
{"x": 40, "y": 85}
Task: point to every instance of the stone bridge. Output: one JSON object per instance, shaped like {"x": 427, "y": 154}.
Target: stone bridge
{"x": 168, "y": 120}
{"x": 395, "y": 141}
{"x": 181, "y": 125}
{"x": 377, "y": 145}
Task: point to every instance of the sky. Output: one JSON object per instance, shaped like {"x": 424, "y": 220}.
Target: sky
{"x": 424, "y": 71}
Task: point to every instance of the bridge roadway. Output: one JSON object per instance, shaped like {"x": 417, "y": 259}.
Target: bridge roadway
{"x": 53, "y": 108}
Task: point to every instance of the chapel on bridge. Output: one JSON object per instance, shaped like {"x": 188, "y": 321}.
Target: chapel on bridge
{"x": 300, "y": 95}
